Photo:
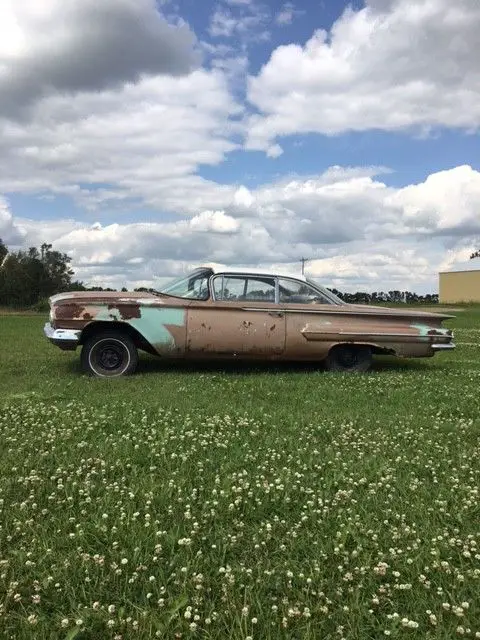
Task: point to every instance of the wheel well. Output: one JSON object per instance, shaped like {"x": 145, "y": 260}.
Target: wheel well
{"x": 376, "y": 350}
{"x": 138, "y": 340}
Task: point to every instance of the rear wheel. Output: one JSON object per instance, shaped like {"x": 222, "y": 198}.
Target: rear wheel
{"x": 349, "y": 358}
{"x": 109, "y": 355}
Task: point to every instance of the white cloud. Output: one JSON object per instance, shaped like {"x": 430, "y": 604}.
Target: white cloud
{"x": 214, "y": 222}
{"x": 447, "y": 202}
{"x": 143, "y": 141}
{"x": 234, "y": 67}
{"x": 84, "y": 45}
{"x": 396, "y": 65}
{"x": 222, "y": 24}
{"x": 358, "y": 232}
{"x": 9, "y": 232}
{"x": 286, "y": 14}
{"x": 244, "y": 20}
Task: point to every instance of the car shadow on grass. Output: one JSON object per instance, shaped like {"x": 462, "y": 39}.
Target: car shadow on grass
{"x": 150, "y": 365}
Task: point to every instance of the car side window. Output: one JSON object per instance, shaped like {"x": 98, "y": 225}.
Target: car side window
{"x": 294, "y": 291}
{"x": 226, "y": 288}
{"x": 241, "y": 288}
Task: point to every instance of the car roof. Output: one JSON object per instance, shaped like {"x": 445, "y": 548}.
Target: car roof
{"x": 256, "y": 272}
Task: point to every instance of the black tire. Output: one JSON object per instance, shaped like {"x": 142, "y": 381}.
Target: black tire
{"x": 349, "y": 358}
{"x": 109, "y": 354}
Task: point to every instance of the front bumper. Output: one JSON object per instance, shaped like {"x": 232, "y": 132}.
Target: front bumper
{"x": 66, "y": 339}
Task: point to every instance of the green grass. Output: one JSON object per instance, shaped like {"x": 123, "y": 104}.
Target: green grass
{"x": 239, "y": 501}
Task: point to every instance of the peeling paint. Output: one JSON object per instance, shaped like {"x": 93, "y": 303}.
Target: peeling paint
{"x": 422, "y": 329}
{"x": 154, "y": 326}
{"x": 176, "y": 327}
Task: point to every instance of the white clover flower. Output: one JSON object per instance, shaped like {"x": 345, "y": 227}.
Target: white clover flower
{"x": 64, "y": 623}
{"x": 111, "y": 609}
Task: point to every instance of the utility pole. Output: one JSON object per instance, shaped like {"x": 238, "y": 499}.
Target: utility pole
{"x": 303, "y": 261}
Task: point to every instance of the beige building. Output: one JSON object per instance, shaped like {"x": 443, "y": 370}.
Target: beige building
{"x": 461, "y": 283}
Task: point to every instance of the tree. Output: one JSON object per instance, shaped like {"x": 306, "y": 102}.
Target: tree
{"x": 475, "y": 254}
{"x": 3, "y": 251}
{"x": 28, "y": 277}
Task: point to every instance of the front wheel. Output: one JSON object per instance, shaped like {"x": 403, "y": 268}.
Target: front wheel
{"x": 109, "y": 355}
{"x": 349, "y": 358}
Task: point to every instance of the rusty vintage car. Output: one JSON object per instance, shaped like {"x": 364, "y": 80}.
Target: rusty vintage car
{"x": 243, "y": 314}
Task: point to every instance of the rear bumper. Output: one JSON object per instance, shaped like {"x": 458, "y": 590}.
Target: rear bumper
{"x": 443, "y": 347}
{"x": 66, "y": 339}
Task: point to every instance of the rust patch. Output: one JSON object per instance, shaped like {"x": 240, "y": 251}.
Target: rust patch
{"x": 66, "y": 311}
{"x": 179, "y": 337}
{"x": 127, "y": 311}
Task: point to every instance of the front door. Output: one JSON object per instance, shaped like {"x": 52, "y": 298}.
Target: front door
{"x": 242, "y": 320}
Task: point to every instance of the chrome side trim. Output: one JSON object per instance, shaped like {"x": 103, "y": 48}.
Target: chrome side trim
{"x": 346, "y": 310}
{"x": 369, "y": 334}
{"x": 67, "y": 339}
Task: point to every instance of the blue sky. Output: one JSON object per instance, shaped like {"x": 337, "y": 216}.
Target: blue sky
{"x": 236, "y": 131}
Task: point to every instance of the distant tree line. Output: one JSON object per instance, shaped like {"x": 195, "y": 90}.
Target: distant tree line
{"x": 29, "y": 277}
{"x": 391, "y": 297}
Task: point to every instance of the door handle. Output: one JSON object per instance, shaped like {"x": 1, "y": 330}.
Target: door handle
{"x": 276, "y": 314}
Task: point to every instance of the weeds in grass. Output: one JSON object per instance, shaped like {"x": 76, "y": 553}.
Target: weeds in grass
{"x": 248, "y": 502}
{"x": 156, "y": 524}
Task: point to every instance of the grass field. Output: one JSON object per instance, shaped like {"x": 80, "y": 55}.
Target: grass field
{"x": 222, "y": 502}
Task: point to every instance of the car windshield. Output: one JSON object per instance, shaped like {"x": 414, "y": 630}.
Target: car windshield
{"x": 194, "y": 286}
{"x": 328, "y": 294}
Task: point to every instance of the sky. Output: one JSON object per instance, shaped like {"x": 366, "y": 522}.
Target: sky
{"x": 145, "y": 137}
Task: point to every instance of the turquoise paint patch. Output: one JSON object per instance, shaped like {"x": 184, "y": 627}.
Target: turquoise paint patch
{"x": 152, "y": 323}
{"x": 423, "y": 329}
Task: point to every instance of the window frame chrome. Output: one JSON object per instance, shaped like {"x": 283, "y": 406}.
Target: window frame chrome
{"x": 246, "y": 276}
